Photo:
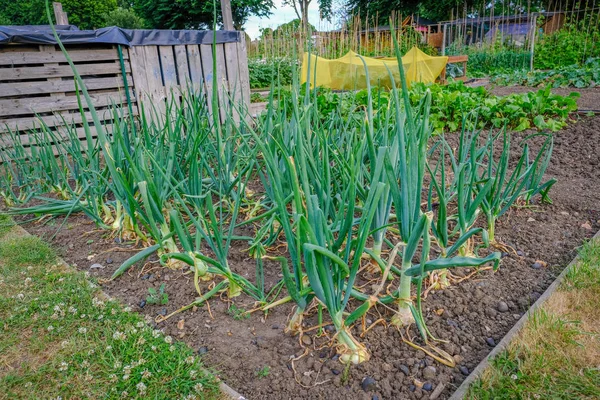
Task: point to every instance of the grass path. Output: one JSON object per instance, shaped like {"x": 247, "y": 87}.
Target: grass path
{"x": 61, "y": 339}
{"x": 557, "y": 354}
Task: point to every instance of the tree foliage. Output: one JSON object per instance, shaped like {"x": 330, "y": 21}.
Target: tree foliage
{"x": 86, "y": 14}
{"x": 124, "y": 18}
{"x": 382, "y": 10}
{"x": 197, "y": 14}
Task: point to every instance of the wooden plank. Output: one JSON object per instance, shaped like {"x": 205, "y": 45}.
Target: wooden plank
{"x": 54, "y": 56}
{"x": 207, "y": 72}
{"x": 181, "y": 63}
{"x": 223, "y": 83}
{"x": 61, "y": 134}
{"x": 243, "y": 71}
{"x": 138, "y": 73}
{"x": 154, "y": 79}
{"x": 48, "y": 104}
{"x": 234, "y": 85}
{"x": 169, "y": 73}
{"x": 195, "y": 67}
{"x": 58, "y": 86}
{"x": 27, "y": 123}
{"x": 13, "y": 74}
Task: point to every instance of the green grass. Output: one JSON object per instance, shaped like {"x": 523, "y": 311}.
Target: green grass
{"x": 6, "y": 224}
{"x": 60, "y": 337}
{"x": 557, "y": 354}
{"x": 26, "y": 250}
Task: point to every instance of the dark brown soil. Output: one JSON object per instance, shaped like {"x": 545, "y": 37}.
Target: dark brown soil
{"x": 466, "y": 315}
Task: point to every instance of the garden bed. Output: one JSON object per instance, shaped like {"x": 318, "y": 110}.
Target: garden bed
{"x": 587, "y": 101}
{"x": 256, "y": 357}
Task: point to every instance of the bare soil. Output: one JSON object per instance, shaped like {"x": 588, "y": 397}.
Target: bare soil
{"x": 465, "y": 315}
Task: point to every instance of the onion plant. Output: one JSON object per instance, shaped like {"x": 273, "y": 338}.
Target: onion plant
{"x": 524, "y": 181}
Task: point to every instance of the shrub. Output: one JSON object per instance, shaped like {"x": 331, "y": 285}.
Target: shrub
{"x": 264, "y": 72}
{"x": 124, "y": 18}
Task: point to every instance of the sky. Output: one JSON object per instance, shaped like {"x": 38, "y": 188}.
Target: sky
{"x": 281, "y": 15}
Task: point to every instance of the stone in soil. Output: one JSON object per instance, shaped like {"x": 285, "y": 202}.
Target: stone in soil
{"x": 491, "y": 342}
{"x": 463, "y": 370}
{"x": 427, "y": 386}
{"x": 203, "y": 350}
{"x": 336, "y": 371}
{"x": 368, "y": 384}
{"x": 306, "y": 340}
{"x": 163, "y": 312}
{"x": 502, "y": 306}
{"x": 536, "y": 265}
{"x": 109, "y": 260}
{"x": 142, "y": 303}
{"x": 404, "y": 369}
{"x": 429, "y": 373}
{"x": 96, "y": 266}
{"x": 412, "y": 388}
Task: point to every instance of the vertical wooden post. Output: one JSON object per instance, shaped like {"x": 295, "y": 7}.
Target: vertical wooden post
{"x": 532, "y": 45}
{"x": 444, "y": 40}
{"x": 226, "y": 13}
{"x": 59, "y": 14}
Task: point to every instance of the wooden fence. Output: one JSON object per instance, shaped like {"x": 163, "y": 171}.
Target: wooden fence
{"x": 37, "y": 84}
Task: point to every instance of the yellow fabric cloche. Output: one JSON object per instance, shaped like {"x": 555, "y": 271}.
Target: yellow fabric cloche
{"x": 348, "y": 72}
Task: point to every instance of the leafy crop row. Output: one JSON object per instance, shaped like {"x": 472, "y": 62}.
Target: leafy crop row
{"x": 577, "y": 76}
{"x": 452, "y": 104}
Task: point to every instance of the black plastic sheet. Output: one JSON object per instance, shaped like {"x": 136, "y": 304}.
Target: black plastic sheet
{"x": 69, "y": 34}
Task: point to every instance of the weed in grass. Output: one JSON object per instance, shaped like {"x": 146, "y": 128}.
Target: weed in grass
{"x": 27, "y": 250}
{"x": 6, "y": 224}
{"x": 157, "y": 297}
{"x": 65, "y": 340}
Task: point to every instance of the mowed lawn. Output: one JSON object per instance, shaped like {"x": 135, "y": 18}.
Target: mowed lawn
{"x": 557, "y": 354}
{"x": 61, "y": 338}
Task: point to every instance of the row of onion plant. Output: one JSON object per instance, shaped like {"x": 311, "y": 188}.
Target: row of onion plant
{"x": 177, "y": 180}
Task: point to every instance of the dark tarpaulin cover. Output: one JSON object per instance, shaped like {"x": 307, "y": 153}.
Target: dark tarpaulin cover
{"x": 69, "y": 34}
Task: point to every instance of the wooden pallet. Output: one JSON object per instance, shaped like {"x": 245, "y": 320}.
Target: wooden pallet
{"x": 162, "y": 73}
{"x": 37, "y": 87}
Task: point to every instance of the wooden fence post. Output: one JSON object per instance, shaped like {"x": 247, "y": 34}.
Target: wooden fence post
{"x": 59, "y": 14}
{"x": 532, "y": 45}
{"x": 444, "y": 40}
{"x": 226, "y": 13}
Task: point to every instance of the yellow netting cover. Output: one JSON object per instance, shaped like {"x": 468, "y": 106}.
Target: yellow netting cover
{"x": 348, "y": 72}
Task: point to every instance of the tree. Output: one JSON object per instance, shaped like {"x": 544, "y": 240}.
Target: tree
{"x": 241, "y": 10}
{"x": 382, "y": 10}
{"x": 86, "y": 14}
{"x": 290, "y": 27}
{"x": 197, "y": 14}
{"x": 301, "y": 9}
